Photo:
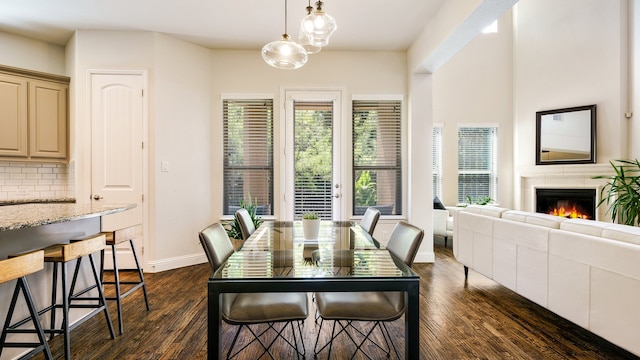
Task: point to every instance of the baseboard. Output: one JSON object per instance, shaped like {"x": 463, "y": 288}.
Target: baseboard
{"x": 176, "y": 262}
{"x": 425, "y": 257}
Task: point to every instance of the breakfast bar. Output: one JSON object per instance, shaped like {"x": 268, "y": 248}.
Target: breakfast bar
{"x": 31, "y": 226}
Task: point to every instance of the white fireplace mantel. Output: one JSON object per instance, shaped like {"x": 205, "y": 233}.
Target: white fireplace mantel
{"x": 561, "y": 177}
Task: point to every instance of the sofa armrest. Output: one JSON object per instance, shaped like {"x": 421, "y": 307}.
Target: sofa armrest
{"x": 440, "y": 218}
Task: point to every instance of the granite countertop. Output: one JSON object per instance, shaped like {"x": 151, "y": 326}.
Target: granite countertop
{"x": 13, "y": 217}
{"x": 36, "y": 201}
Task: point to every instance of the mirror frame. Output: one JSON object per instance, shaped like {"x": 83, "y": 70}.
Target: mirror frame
{"x": 590, "y": 122}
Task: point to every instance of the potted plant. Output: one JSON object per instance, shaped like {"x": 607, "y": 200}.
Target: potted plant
{"x": 622, "y": 192}
{"x": 233, "y": 229}
{"x": 310, "y": 225}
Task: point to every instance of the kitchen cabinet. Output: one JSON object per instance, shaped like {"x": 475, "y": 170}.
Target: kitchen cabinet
{"x": 34, "y": 116}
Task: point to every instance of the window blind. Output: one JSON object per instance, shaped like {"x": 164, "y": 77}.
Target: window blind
{"x": 313, "y": 158}
{"x": 477, "y": 163}
{"x": 248, "y": 154}
{"x": 437, "y": 161}
{"x": 377, "y": 156}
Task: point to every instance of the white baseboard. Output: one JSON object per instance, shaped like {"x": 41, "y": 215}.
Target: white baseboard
{"x": 176, "y": 262}
{"x": 425, "y": 257}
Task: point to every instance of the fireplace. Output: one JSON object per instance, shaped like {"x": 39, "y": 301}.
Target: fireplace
{"x": 571, "y": 203}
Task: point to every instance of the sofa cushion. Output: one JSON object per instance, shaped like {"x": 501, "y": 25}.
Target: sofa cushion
{"x": 546, "y": 220}
{"x": 582, "y": 226}
{"x": 626, "y": 233}
{"x": 486, "y": 210}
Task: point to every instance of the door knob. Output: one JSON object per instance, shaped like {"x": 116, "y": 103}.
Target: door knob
{"x": 337, "y": 195}
{"x": 97, "y": 197}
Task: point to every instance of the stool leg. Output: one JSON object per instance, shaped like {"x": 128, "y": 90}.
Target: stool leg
{"x": 36, "y": 320}
{"x": 54, "y": 299}
{"x": 103, "y": 300}
{"x": 7, "y": 322}
{"x": 116, "y": 275}
{"x": 42, "y": 345}
{"x": 65, "y": 311}
{"x": 144, "y": 286}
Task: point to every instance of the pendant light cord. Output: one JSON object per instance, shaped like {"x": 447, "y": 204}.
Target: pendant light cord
{"x": 285, "y": 18}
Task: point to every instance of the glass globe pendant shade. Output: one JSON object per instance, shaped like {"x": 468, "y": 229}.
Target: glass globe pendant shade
{"x": 284, "y": 54}
{"x": 319, "y": 26}
{"x": 305, "y": 41}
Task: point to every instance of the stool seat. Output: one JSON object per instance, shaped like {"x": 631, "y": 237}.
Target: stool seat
{"x": 121, "y": 235}
{"x": 77, "y": 248}
{"x": 17, "y": 268}
{"x": 22, "y": 265}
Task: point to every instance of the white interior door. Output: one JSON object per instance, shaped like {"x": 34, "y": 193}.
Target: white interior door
{"x": 117, "y": 150}
{"x": 313, "y": 154}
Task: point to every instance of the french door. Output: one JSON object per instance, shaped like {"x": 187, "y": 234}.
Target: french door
{"x": 313, "y": 154}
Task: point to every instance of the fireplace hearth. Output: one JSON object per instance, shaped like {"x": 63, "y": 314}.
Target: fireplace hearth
{"x": 570, "y": 203}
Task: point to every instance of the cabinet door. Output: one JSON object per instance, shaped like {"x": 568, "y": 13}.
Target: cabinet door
{"x": 47, "y": 120}
{"x": 13, "y": 116}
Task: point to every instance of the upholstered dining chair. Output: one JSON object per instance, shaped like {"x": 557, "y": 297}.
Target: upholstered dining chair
{"x": 246, "y": 309}
{"x": 370, "y": 220}
{"x": 246, "y": 223}
{"x": 379, "y": 307}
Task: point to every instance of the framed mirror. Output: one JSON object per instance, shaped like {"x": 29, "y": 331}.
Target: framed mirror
{"x": 566, "y": 136}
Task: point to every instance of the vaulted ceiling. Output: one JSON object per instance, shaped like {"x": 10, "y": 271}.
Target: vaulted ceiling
{"x": 222, "y": 24}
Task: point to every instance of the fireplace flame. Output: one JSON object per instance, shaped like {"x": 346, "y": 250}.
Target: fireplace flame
{"x": 571, "y": 213}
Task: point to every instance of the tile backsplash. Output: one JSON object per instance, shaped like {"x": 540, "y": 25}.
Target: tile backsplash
{"x": 35, "y": 181}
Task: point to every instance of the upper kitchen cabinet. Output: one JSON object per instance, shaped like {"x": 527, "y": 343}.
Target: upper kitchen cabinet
{"x": 34, "y": 116}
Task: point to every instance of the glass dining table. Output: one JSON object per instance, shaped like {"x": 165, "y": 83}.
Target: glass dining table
{"x": 277, "y": 258}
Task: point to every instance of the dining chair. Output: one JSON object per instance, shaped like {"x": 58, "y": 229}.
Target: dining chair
{"x": 370, "y": 220}
{"x": 246, "y": 309}
{"x": 246, "y": 223}
{"x": 379, "y": 307}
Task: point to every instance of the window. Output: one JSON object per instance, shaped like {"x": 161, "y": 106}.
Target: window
{"x": 248, "y": 154}
{"x": 477, "y": 163}
{"x": 313, "y": 154}
{"x": 377, "y": 156}
{"x": 437, "y": 161}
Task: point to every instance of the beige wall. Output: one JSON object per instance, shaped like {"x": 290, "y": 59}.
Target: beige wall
{"x": 563, "y": 60}
{"x": 22, "y": 52}
{"x": 474, "y": 88}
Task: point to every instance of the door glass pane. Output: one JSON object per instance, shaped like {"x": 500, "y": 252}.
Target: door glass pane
{"x": 313, "y": 154}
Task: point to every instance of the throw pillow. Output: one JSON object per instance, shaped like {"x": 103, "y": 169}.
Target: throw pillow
{"x": 437, "y": 204}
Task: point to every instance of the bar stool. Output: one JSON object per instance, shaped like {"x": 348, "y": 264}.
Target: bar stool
{"x": 18, "y": 268}
{"x": 114, "y": 238}
{"x": 62, "y": 254}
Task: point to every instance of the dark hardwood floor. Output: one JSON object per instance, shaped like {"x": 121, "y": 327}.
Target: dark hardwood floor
{"x": 476, "y": 319}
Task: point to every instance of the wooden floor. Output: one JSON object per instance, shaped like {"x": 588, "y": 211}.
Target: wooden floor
{"x": 476, "y": 319}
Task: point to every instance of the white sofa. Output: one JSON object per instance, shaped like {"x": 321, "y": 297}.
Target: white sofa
{"x": 583, "y": 270}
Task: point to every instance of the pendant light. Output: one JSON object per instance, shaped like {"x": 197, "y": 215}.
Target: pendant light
{"x": 284, "y": 53}
{"x": 304, "y": 39}
{"x": 319, "y": 26}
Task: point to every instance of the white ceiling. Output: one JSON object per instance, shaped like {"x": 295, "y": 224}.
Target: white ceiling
{"x": 222, "y": 24}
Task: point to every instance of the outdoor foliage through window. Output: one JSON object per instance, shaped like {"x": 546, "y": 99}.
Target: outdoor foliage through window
{"x": 377, "y": 156}
{"x": 248, "y": 154}
{"x": 313, "y": 122}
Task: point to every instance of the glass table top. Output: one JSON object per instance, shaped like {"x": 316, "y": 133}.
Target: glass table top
{"x": 342, "y": 249}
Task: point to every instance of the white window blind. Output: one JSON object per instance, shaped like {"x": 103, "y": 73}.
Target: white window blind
{"x": 377, "y": 156}
{"x": 477, "y": 163}
{"x": 248, "y": 154}
{"x": 437, "y": 161}
{"x": 313, "y": 129}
